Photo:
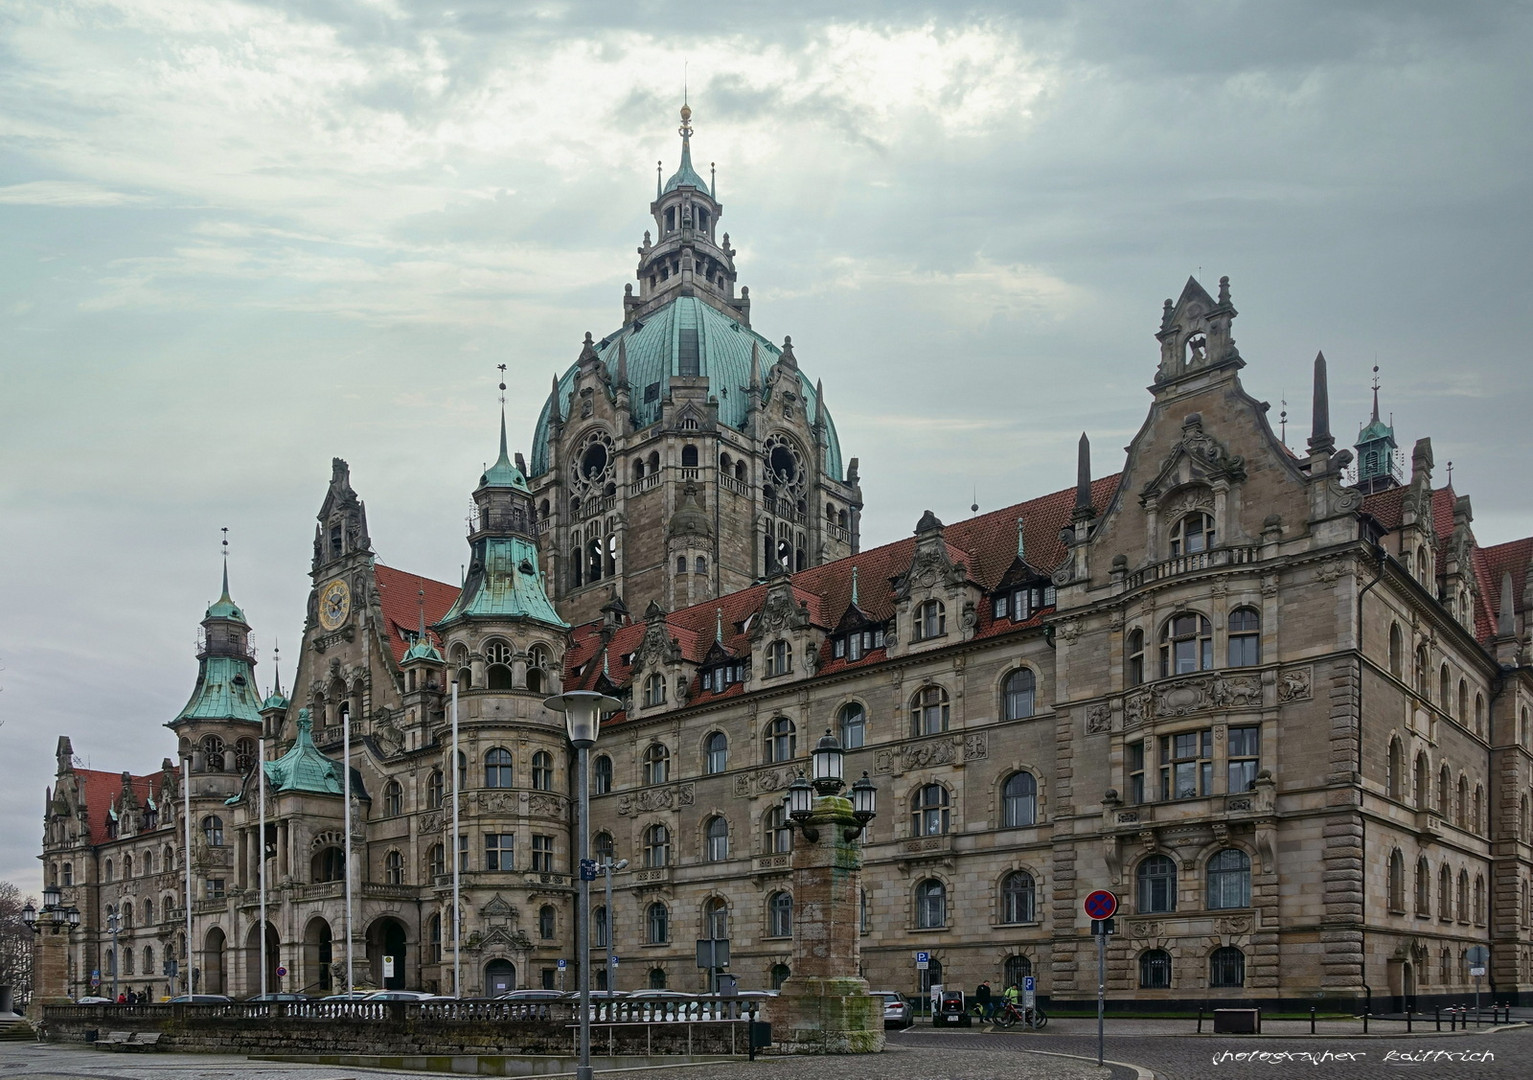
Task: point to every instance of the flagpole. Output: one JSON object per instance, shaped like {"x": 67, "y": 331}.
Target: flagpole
{"x": 261, "y": 851}
{"x": 457, "y": 864}
{"x": 346, "y": 859}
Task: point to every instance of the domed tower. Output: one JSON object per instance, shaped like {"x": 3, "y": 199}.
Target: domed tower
{"x": 685, "y": 395}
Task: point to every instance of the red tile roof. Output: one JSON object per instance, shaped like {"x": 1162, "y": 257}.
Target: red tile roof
{"x": 101, "y": 791}
{"x": 399, "y": 594}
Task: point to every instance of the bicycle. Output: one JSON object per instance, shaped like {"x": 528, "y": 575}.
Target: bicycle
{"x": 1010, "y": 1013}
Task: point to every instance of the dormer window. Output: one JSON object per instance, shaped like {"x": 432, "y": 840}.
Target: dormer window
{"x": 930, "y": 621}
{"x": 779, "y": 659}
{"x": 1023, "y": 603}
{"x": 852, "y": 646}
{"x": 1192, "y": 535}
{"x": 719, "y": 678}
{"x": 654, "y": 690}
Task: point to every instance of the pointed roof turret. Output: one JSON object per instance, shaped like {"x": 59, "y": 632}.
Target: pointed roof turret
{"x": 503, "y": 473}
{"x": 685, "y": 175}
{"x": 224, "y": 607}
{"x": 1378, "y": 467}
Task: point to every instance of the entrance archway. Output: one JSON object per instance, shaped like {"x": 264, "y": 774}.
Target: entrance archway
{"x": 253, "y": 960}
{"x": 499, "y": 977}
{"x": 212, "y": 975}
{"x": 318, "y": 953}
{"x": 386, "y": 937}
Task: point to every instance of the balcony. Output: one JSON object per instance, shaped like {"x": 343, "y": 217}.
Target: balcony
{"x": 739, "y": 487}
{"x": 1189, "y": 564}
{"x": 592, "y": 507}
{"x": 778, "y": 862}
{"x": 644, "y": 483}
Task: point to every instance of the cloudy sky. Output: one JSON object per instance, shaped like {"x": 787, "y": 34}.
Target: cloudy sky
{"x": 239, "y": 238}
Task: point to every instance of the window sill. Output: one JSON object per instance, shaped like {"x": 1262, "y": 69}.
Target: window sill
{"x": 1035, "y": 924}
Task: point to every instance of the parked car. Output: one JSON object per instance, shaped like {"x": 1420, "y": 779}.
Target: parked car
{"x": 93, "y": 1000}
{"x": 354, "y": 995}
{"x": 280, "y": 997}
{"x": 897, "y": 1011}
{"x": 950, "y": 1010}
{"x": 530, "y": 995}
{"x": 202, "y": 999}
{"x": 402, "y": 995}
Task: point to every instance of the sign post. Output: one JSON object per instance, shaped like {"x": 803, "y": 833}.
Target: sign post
{"x": 1478, "y": 956}
{"x": 1101, "y": 906}
{"x": 1029, "y": 998}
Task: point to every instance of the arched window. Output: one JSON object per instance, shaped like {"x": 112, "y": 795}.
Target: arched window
{"x": 1423, "y": 788}
{"x": 1134, "y": 658}
{"x": 108, "y": 869}
{"x": 931, "y": 904}
{"x": 1445, "y": 893}
{"x": 852, "y": 725}
{"x": 717, "y": 839}
{"x": 1245, "y": 637}
{"x": 1477, "y": 812}
{"x": 776, "y": 835}
{"x": 654, "y": 690}
{"x": 394, "y": 868}
{"x": 716, "y": 752}
{"x": 603, "y": 848}
{"x": 600, "y": 935}
{"x": 1155, "y": 970}
{"x": 689, "y": 457}
{"x": 930, "y": 621}
{"x": 434, "y": 789}
{"x": 657, "y": 975}
{"x": 1396, "y": 651}
{"x": 1186, "y": 645}
{"x": 1017, "y": 699}
{"x": 1015, "y": 969}
{"x": 1423, "y": 887}
{"x": 601, "y": 775}
{"x": 780, "y": 974}
{"x": 497, "y": 658}
{"x": 1463, "y": 896}
{"x": 1019, "y": 801}
{"x": 780, "y": 915}
{"x": 657, "y": 764}
{"x": 716, "y": 918}
{"x": 657, "y": 921}
{"x": 1463, "y": 702}
{"x": 462, "y": 772}
{"x": 244, "y": 754}
{"x": 497, "y": 768}
{"x": 213, "y": 830}
{"x": 657, "y": 846}
{"x": 436, "y": 860}
{"x": 537, "y": 668}
{"x": 1423, "y": 666}
{"x": 328, "y": 864}
{"x": 547, "y": 922}
{"x": 393, "y": 799}
{"x": 1018, "y": 898}
{"x": 1227, "y": 968}
{"x": 149, "y": 960}
{"x": 1156, "y": 878}
{"x": 127, "y": 960}
{"x": 1229, "y": 879}
{"x": 149, "y": 912}
{"x": 1479, "y": 714}
{"x": 1444, "y": 792}
{"x": 700, "y": 564}
{"x": 1396, "y": 897}
{"x": 929, "y": 811}
{"x": 542, "y": 771}
{"x": 779, "y": 658}
{"x": 781, "y": 741}
{"x": 1444, "y": 688}
{"x": 1192, "y": 535}
{"x": 928, "y": 711}
{"x": 212, "y": 753}
{"x": 1394, "y": 770}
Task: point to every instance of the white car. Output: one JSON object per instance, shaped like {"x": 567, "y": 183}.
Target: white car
{"x": 401, "y": 995}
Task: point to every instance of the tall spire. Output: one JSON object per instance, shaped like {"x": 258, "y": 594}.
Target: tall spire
{"x": 1320, "y": 440}
{"x": 503, "y": 473}
{"x": 225, "y": 531}
{"x": 1021, "y": 540}
{"x": 718, "y": 625}
{"x": 854, "y": 586}
{"x": 1506, "y": 618}
{"x": 1374, "y": 419}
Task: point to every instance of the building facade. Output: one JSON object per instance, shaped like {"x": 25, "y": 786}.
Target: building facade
{"x": 1283, "y": 710}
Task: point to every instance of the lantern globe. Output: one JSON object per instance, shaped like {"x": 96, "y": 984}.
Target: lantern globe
{"x": 582, "y": 711}
{"x": 800, "y": 798}
{"x": 864, "y": 799}
{"x": 51, "y": 896}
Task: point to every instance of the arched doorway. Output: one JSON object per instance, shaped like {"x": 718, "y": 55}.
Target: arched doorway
{"x": 318, "y": 953}
{"x": 210, "y": 980}
{"x": 386, "y": 937}
{"x": 499, "y": 977}
{"x": 253, "y": 960}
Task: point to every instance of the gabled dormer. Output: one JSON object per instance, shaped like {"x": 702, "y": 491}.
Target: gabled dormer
{"x": 1195, "y": 334}
{"x": 785, "y": 644}
{"x": 661, "y": 679}
{"x": 935, "y": 602}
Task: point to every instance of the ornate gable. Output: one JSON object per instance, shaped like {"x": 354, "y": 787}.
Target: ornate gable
{"x": 1198, "y": 457}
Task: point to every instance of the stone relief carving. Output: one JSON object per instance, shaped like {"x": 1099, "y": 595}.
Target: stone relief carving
{"x": 1098, "y": 718}
{"x": 1068, "y": 631}
{"x": 650, "y": 799}
{"x": 545, "y": 804}
{"x": 779, "y": 612}
{"x": 497, "y": 802}
{"x": 1295, "y": 684}
{"x": 1329, "y": 571}
{"x": 1234, "y": 924}
{"x": 927, "y": 754}
{"x": 974, "y": 747}
{"x": 763, "y": 781}
{"x": 1193, "y": 693}
{"x": 431, "y": 823}
{"x": 1237, "y": 690}
{"x": 1136, "y": 707}
{"x": 1143, "y": 928}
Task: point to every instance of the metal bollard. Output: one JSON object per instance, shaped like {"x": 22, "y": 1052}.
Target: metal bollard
{"x": 1438, "y": 1014}
{"x": 1311, "y": 1019}
{"x": 1200, "y": 1019}
{"x": 1407, "y": 1021}
{"x": 1365, "y": 1022}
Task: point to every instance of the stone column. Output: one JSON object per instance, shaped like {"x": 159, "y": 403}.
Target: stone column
{"x": 50, "y": 968}
{"x": 824, "y": 1006}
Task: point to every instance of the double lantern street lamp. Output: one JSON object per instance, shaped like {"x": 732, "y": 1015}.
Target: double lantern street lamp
{"x": 828, "y": 765}
{"x": 53, "y": 914}
{"x": 582, "y": 711}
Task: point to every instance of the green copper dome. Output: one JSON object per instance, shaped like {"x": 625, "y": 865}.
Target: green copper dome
{"x": 225, "y": 690}
{"x": 503, "y": 473}
{"x": 423, "y": 650}
{"x": 277, "y": 700}
{"x": 655, "y": 344}
{"x": 304, "y": 768}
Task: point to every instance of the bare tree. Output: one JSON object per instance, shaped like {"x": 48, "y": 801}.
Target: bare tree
{"x": 15, "y": 942}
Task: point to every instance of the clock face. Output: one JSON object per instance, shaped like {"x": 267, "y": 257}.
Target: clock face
{"x": 334, "y": 604}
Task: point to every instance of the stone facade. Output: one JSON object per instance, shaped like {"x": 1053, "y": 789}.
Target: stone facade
{"x": 1284, "y": 714}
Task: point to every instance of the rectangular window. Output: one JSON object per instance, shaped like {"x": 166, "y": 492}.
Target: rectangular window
{"x": 1186, "y": 764}
{"x": 1000, "y": 608}
{"x": 1022, "y": 605}
{"x": 838, "y": 648}
{"x": 652, "y": 393}
{"x": 1245, "y": 757}
{"x": 215, "y": 888}
{"x": 854, "y": 647}
{"x": 498, "y": 851}
{"x": 687, "y": 353}
{"x": 1136, "y": 772}
{"x": 543, "y": 854}
{"x": 463, "y": 854}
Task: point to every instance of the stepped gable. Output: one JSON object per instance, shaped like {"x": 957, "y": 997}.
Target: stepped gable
{"x": 986, "y": 545}
{"x": 99, "y": 791}
{"x": 399, "y": 595}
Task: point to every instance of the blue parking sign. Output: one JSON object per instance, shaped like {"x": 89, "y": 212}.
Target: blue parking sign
{"x": 563, "y": 964}
{"x": 923, "y": 957}
{"x": 1030, "y": 983}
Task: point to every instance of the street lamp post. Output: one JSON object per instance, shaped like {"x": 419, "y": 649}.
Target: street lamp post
{"x": 113, "y": 925}
{"x": 582, "y": 711}
{"x": 607, "y": 867}
{"x": 48, "y": 966}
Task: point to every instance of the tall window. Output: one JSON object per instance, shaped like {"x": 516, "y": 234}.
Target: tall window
{"x": 498, "y": 853}
{"x": 1134, "y": 658}
{"x": 497, "y": 768}
{"x": 929, "y": 811}
{"x": 657, "y": 846}
{"x": 780, "y": 740}
{"x": 717, "y": 839}
{"x": 777, "y": 835}
{"x": 930, "y": 621}
{"x": 547, "y": 922}
{"x": 1423, "y": 887}
{"x": 542, "y": 854}
{"x": 1186, "y": 645}
{"x": 1155, "y": 970}
{"x": 1445, "y": 893}
{"x": 1018, "y": 898}
{"x": 602, "y": 847}
{"x": 779, "y": 658}
{"x": 1019, "y": 801}
{"x": 1015, "y": 969}
{"x": 716, "y": 918}
{"x": 1227, "y": 968}
{"x": 1423, "y": 782}
{"x": 716, "y": 752}
{"x": 1444, "y": 792}
{"x": 1018, "y": 696}
{"x": 601, "y": 775}
{"x": 1186, "y": 764}
{"x": 654, "y": 690}
{"x": 1229, "y": 879}
{"x": 434, "y": 789}
{"x": 542, "y": 771}
{"x": 394, "y": 868}
{"x": 213, "y": 753}
{"x": 1156, "y": 879}
{"x": 852, "y": 722}
{"x": 1396, "y": 651}
{"x": 931, "y": 904}
{"x": 657, "y": 764}
{"x": 600, "y": 935}
{"x": 1394, "y": 770}
{"x": 1396, "y": 895}
{"x": 780, "y": 975}
{"x": 780, "y": 915}
{"x": 929, "y": 711}
{"x": 658, "y": 923}
{"x": 436, "y": 860}
{"x": 1245, "y": 637}
{"x": 1244, "y": 747}
{"x": 1134, "y": 767}
{"x": 1463, "y": 896}
{"x": 497, "y": 672}
{"x": 212, "y": 830}
{"x": 1192, "y": 535}
{"x": 393, "y": 799}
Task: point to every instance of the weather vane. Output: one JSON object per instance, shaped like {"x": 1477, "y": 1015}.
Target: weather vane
{"x": 502, "y": 368}
{"x": 225, "y": 531}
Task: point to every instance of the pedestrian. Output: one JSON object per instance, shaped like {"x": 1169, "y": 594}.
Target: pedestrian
{"x": 982, "y": 999}
{"x": 132, "y": 997}
{"x": 1012, "y": 998}
{"x": 122, "y": 999}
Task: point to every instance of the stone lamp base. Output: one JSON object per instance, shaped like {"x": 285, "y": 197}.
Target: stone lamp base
{"x": 827, "y": 1016}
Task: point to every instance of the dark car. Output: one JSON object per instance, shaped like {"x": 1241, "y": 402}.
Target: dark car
{"x": 950, "y": 1010}
{"x": 897, "y": 1012}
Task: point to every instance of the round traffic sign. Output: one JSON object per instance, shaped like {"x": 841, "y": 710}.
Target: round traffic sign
{"x": 1101, "y": 904}
{"x": 282, "y": 973}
